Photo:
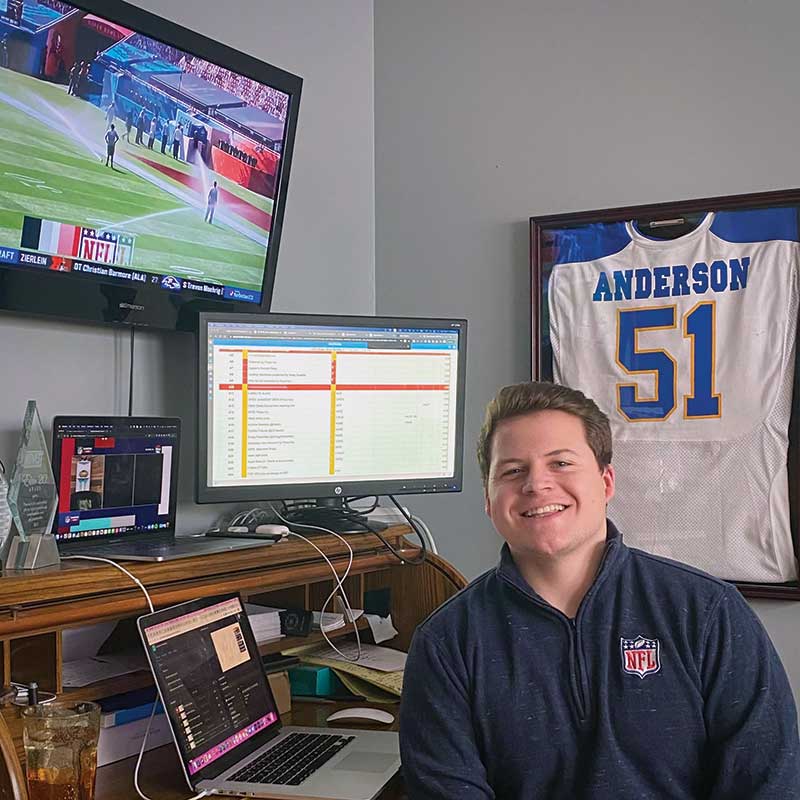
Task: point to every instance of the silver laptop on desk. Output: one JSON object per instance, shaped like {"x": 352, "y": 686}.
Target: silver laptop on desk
{"x": 225, "y": 722}
{"x": 117, "y": 481}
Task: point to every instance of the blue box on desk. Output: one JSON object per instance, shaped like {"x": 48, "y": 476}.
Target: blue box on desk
{"x": 310, "y": 680}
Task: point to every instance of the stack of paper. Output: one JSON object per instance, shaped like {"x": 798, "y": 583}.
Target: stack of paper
{"x": 377, "y": 675}
{"x": 265, "y": 622}
{"x": 83, "y": 671}
{"x": 86, "y": 661}
{"x": 331, "y": 620}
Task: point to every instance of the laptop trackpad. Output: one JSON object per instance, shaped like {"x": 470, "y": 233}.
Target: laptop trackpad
{"x": 367, "y": 762}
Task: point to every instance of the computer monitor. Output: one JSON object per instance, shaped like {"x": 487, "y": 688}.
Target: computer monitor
{"x": 328, "y": 407}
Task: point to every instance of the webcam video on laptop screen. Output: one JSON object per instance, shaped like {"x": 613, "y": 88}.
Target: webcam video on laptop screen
{"x": 143, "y": 169}
{"x": 114, "y": 476}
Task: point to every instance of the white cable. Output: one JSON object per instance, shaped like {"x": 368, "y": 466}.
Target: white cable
{"x": 393, "y": 515}
{"x": 427, "y": 531}
{"x": 120, "y": 568}
{"x": 249, "y": 516}
{"x": 338, "y": 586}
{"x": 141, "y": 794}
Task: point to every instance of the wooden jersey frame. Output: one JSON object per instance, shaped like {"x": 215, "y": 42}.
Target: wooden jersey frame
{"x": 664, "y": 215}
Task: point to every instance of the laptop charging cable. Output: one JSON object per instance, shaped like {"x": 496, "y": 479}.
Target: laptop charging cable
{"x": 155, "y": 702}
{"x": 338, "y": 586}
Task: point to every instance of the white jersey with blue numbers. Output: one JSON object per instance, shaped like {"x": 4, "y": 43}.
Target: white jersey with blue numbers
{"x": 688, "y": 346}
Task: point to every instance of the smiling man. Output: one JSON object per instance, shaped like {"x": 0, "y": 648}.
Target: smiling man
{"x": 580, "y": 668}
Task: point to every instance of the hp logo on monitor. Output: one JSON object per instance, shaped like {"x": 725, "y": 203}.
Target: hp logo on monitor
{"x": 337, "y": 490}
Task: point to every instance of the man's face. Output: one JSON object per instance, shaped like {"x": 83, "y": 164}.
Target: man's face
{"x": 546, "y": 494}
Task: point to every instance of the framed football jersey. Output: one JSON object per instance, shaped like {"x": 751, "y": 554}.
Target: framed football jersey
{"x": 680, "y": 321}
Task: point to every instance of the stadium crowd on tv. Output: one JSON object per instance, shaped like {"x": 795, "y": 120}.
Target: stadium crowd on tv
{"x": 252, "y": 92}
{"x": 57, "y": 5}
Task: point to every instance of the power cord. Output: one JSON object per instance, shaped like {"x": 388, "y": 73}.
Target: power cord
{"x": 338, "y": 585}
{"x": 294, "y": 510}
{"x": 361, "y": 511}
{"x": 307, "y": 512}
{"x": 414, "y": 562}
{"x": 257, "y": 515}
{"x": 416, "y": 524}
{"x": 141, "y": 794}
{"x": 120, "y": 568}
{"x": 130, "y": 375}
{"x": 431, "y": 543}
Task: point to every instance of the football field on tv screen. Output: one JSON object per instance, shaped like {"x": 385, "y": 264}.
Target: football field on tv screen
{"x": 52, "y": 166}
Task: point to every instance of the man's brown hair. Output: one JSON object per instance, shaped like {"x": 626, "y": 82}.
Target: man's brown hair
{"x": 526, "y": 398}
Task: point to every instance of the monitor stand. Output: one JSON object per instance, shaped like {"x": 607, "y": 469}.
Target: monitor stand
{"x": 331, "y": 513}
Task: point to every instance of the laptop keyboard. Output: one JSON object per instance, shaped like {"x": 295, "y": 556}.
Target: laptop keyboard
{"x": 292, "y": 760}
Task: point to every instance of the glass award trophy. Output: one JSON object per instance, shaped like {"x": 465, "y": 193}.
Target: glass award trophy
{"x": 5, "y": 511}
{"x": 33, "y": 499}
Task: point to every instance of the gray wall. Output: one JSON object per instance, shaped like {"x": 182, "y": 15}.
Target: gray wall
{"x": 489, "y": 113}
{"x": 327, "y": 249}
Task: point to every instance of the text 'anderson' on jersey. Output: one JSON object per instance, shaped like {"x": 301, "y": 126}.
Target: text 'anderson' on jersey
{"x": 688, "y": 345}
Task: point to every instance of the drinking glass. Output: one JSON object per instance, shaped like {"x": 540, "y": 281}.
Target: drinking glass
{"x": 61, "y": 749}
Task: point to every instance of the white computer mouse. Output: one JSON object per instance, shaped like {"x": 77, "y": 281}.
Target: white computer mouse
{"x": 273, "y": 528}
{"x": 362, "y": 715}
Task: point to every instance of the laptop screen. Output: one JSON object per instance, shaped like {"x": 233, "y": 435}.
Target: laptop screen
{"x": 115, "y": 475}
{"x": 208, "y": 670}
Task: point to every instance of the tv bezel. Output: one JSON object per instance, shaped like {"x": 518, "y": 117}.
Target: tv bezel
{"x": 52, "y": 293}
{"x": 343, "y": 489}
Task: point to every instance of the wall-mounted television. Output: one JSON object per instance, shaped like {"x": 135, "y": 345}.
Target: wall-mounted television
{"x": 144, "y": 167}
